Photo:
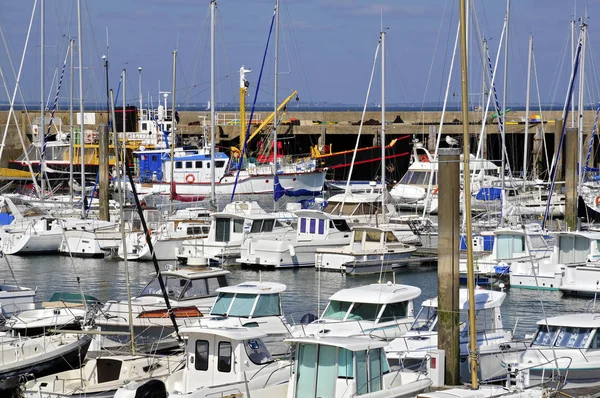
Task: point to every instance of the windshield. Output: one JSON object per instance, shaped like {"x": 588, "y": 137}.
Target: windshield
{"x": 257, "y": 352}
{"x": 426, "y": 318}
{"x": 565, "y": 336}
{"x": 336, "y": 310}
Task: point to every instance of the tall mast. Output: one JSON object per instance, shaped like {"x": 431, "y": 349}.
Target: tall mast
{"x": 71, "y": 140}
{"x": 572, "y": 67}
{"x": 173, "y": 121}
{"x": 81, "y": 114}
{"x": 275, "y": 93}
{"x": 467, "y": 195}
{"x": 41, "y": 131}
{"x": 383, "y": 185}
{"x": 525, "y": 154}
{"x": 503, "y": 131}
{"x": 581, "y": 106}
{"x": 213, "y": 4}
{"x": 124, "y": 139}
{"x": 140, "y": 90}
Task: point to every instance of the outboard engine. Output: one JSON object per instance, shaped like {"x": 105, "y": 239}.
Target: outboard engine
{"x": 151, "y": 389}
{"x": 307, "y": 318}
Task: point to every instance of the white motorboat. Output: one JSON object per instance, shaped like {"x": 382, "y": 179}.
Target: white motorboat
{"x": 361, "y": 208}
{"x": 569, "y": 267}
{"x": 252, "y": 304}
{"x": 297, "y": 248}
{"x": 220, "y": 362}
{"x": 90, "y": 240}
{"x": 101, "y": 377}
{"x": 384, "y": 311}
{"x": 228, "y": 230}
{"x": 372, "y": 250}
{"x": 565, "y": 348}
{"x": 15, "y": 298}
{"x": 344, "y": 367}
{"x": 494, "y": 342}
{"x": 191, "y": 293}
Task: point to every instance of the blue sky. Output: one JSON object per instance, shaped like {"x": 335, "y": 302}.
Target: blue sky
{"x": 326, "y": 47}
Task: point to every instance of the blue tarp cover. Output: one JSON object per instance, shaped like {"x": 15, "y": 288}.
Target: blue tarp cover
{"x": 489, "y": 194}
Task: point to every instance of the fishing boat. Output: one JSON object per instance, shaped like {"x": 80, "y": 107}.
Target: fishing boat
{"x": 378, "y": 310}
{"x": 219, "y": 362}
{"x": 296, "y": 248}
{"x": 371, "y": 250}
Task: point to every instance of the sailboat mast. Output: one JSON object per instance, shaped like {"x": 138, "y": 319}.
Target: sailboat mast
{"x": 275, "y": 93}
{"x": 467, "y": 195}
{"x": 581, "y": 107}
{"x": 213, "y": 4}
{"x": 71, "y": 139}
{"x": 172, "y": 136}
{"x": 525, "y": 154}
{"x": 41, "y": 131}
{"x": 383, "y": 185}
{"x": 81, "y": 115}
{"x": 503, "y": 132}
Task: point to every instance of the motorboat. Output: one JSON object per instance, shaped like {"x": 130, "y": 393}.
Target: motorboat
{"x": 297, "y": 248}
{"x": 372, "y": 250}
{"x": 362, "y": 208}
{"x": 341, "y": 367}
{"x": 494, "y": 341}
{"x": 382, "y": 310}
{"x": 220, "y": 362}
{"x": 239, "y": 221}
{"x": 191, "y": 293}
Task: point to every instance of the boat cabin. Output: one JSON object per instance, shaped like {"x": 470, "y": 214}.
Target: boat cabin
{"x": 372, "y": 238}
{"x": 572, "y": 331}
{"x": 188, "y": 283}
{"x": 576, "y": 247}
{"x": 249, "y": 300}
{"x": 219, "y": 356}
{"x": 338, "y": 367}
{"x": 356, "y": 205}
{"x": 317, "y": 225}
{"x": 512, "y": 244}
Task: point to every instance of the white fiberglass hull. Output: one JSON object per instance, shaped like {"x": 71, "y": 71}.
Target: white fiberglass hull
{"x": 24, "y": 243}
{"x": 362, "y": 263}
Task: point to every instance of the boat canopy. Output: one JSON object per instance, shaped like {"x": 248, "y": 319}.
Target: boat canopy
{"x": 377, "y": 293}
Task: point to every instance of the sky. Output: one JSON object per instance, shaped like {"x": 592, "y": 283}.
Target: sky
{"x": 326, "y": 48}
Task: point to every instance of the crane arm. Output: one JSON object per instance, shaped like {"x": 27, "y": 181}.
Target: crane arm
{"x": 269, "y": 118}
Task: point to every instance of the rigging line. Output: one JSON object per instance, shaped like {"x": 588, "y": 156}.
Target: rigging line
{"x": 435, "y": 47}
{"x": 227, "y": 67}
{"x": 195, "y": 66}
{"x": 362, "y": 119}
{"x": 539, "y": 98}
{"x": 564, "y": 125}
{"x": 262, "y": 67}
{"x": 299, "y": 60}
{"x": 556, "y": 78}
{"x": 287, "y": 55}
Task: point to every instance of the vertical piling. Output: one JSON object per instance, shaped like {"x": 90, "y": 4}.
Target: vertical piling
{"x": 571, "y": 178}
{"x": 448, "y": 260}
{"x": 558, "y": 125}
{"x": 103, "y": 179}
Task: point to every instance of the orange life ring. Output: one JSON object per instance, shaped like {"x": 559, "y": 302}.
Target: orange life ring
{"x": 597, "y": 200}
{"x": 424, "y": 159}
{"x": 435, "y": 191}
{"x": 190, "y": 178}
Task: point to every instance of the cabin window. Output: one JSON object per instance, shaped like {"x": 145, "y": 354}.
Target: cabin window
{"x": 175, "y": 286}
{"x": 595, "y": 344}
{"x": 208, "y": 165}
{"x": 198, "y": 164}
{"x": 336, "y": 310}
{"x": 572, "y": 337}
{"x": 390, "y": 237}
{"x": 341, "y": 225}
{"x": 393, "y": 311}
{"x": 222, "y": 304}
{"x": 313, "y": 223}
{"x": 222, "y": 230}
{"x": 321, "y": 227}
{"x": 195, "y": 289}
{"x": 219, "y": 163}
{"x": 215, "y": 283}
{"x": 326, "y": 371}
{"x": 189, "y": 165}
{"x": 153, "y": 158}
{"x": 268, "y": 305}
{"x": 238, "y": 226}
{"x": 573, "y": 249}
{"x": 509, "y": 245}
{"x": 374, "y": 370}
{"x": 303, "y": 225}
{"x": 362, "y": 386}
{"x": 373, "y": 236}
{"x": 545, "y": 336}
{"x": 406, "y": 178}
{"x": 177, "y": 165}
{"x": 197, "y": 230}
{"x": 267, "y": 225}
{"x": 144, "y": 126}
{"x": 257, "y": 352}
{"x": 345, "y": 364}
{"x": 307, "y": 358}
{"x": 537, "y": 242}
{"x": 201, "y": 360}
{"x": 224, "y": 363}
{"x": 358, "y": 235}
{"x": 364, "y": 312}
{"x": 242, "y": 305}
{"x": 256, "y": 225}
{"x": 425, "y": 319}
{"x": 385, "y": 366}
